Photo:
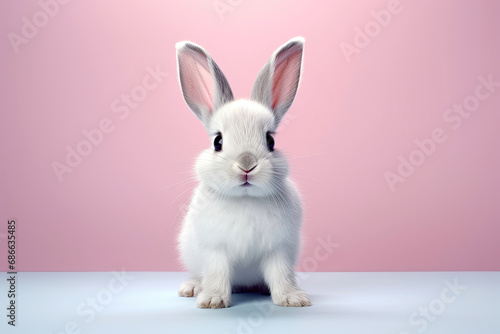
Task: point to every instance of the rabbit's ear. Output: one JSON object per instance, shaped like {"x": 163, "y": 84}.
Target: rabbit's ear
{"x": 277, "y": 82}
{"x": 204, "y": 86}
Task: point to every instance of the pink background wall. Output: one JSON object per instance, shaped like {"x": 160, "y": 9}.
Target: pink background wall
{"x": 353, "y": 118}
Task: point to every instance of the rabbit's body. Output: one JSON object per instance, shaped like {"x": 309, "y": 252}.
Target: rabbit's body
{"x": 242, "y": 228}
{"x": 248, "y": 229}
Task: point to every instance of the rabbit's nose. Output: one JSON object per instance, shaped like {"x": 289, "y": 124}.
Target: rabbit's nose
{"x": 247, "y": 162}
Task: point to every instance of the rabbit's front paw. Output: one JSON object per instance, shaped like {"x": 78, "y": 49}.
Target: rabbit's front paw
{"x": 212, "y": 300}
{"x": 295, "y": 298}
{"x": 189, "y": 288}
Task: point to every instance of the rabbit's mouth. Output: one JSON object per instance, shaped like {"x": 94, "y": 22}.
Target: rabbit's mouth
{"x": 246, "y": 184}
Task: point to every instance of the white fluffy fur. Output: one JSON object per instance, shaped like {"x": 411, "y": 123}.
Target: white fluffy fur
{"x": 236, "y": 236}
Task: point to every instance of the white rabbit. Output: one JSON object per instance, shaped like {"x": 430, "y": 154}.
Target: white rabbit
{"x": 242, "y": 228}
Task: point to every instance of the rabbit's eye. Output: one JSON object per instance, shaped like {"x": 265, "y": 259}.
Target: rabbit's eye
{"x": 218, "y": 143}
{"x": 270, "y": 142}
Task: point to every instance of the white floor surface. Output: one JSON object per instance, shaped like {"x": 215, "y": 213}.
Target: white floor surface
{"x": 147, "y": 302}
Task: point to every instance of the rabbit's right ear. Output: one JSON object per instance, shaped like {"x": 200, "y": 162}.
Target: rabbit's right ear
{"x": 278, "y": 81}
{"x": 204, "y": 86}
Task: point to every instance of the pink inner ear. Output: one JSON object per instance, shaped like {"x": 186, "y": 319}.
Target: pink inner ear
{"x": 286, "y": 76}
{"x": 198, "y": 83}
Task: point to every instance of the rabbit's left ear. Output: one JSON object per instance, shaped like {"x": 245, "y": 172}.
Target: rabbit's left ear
{"x": 278, "y": 81}
{"x": 204, "y": 86}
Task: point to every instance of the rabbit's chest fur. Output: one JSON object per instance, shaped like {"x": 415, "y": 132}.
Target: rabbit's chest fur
{"x": 244, "y": 230}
